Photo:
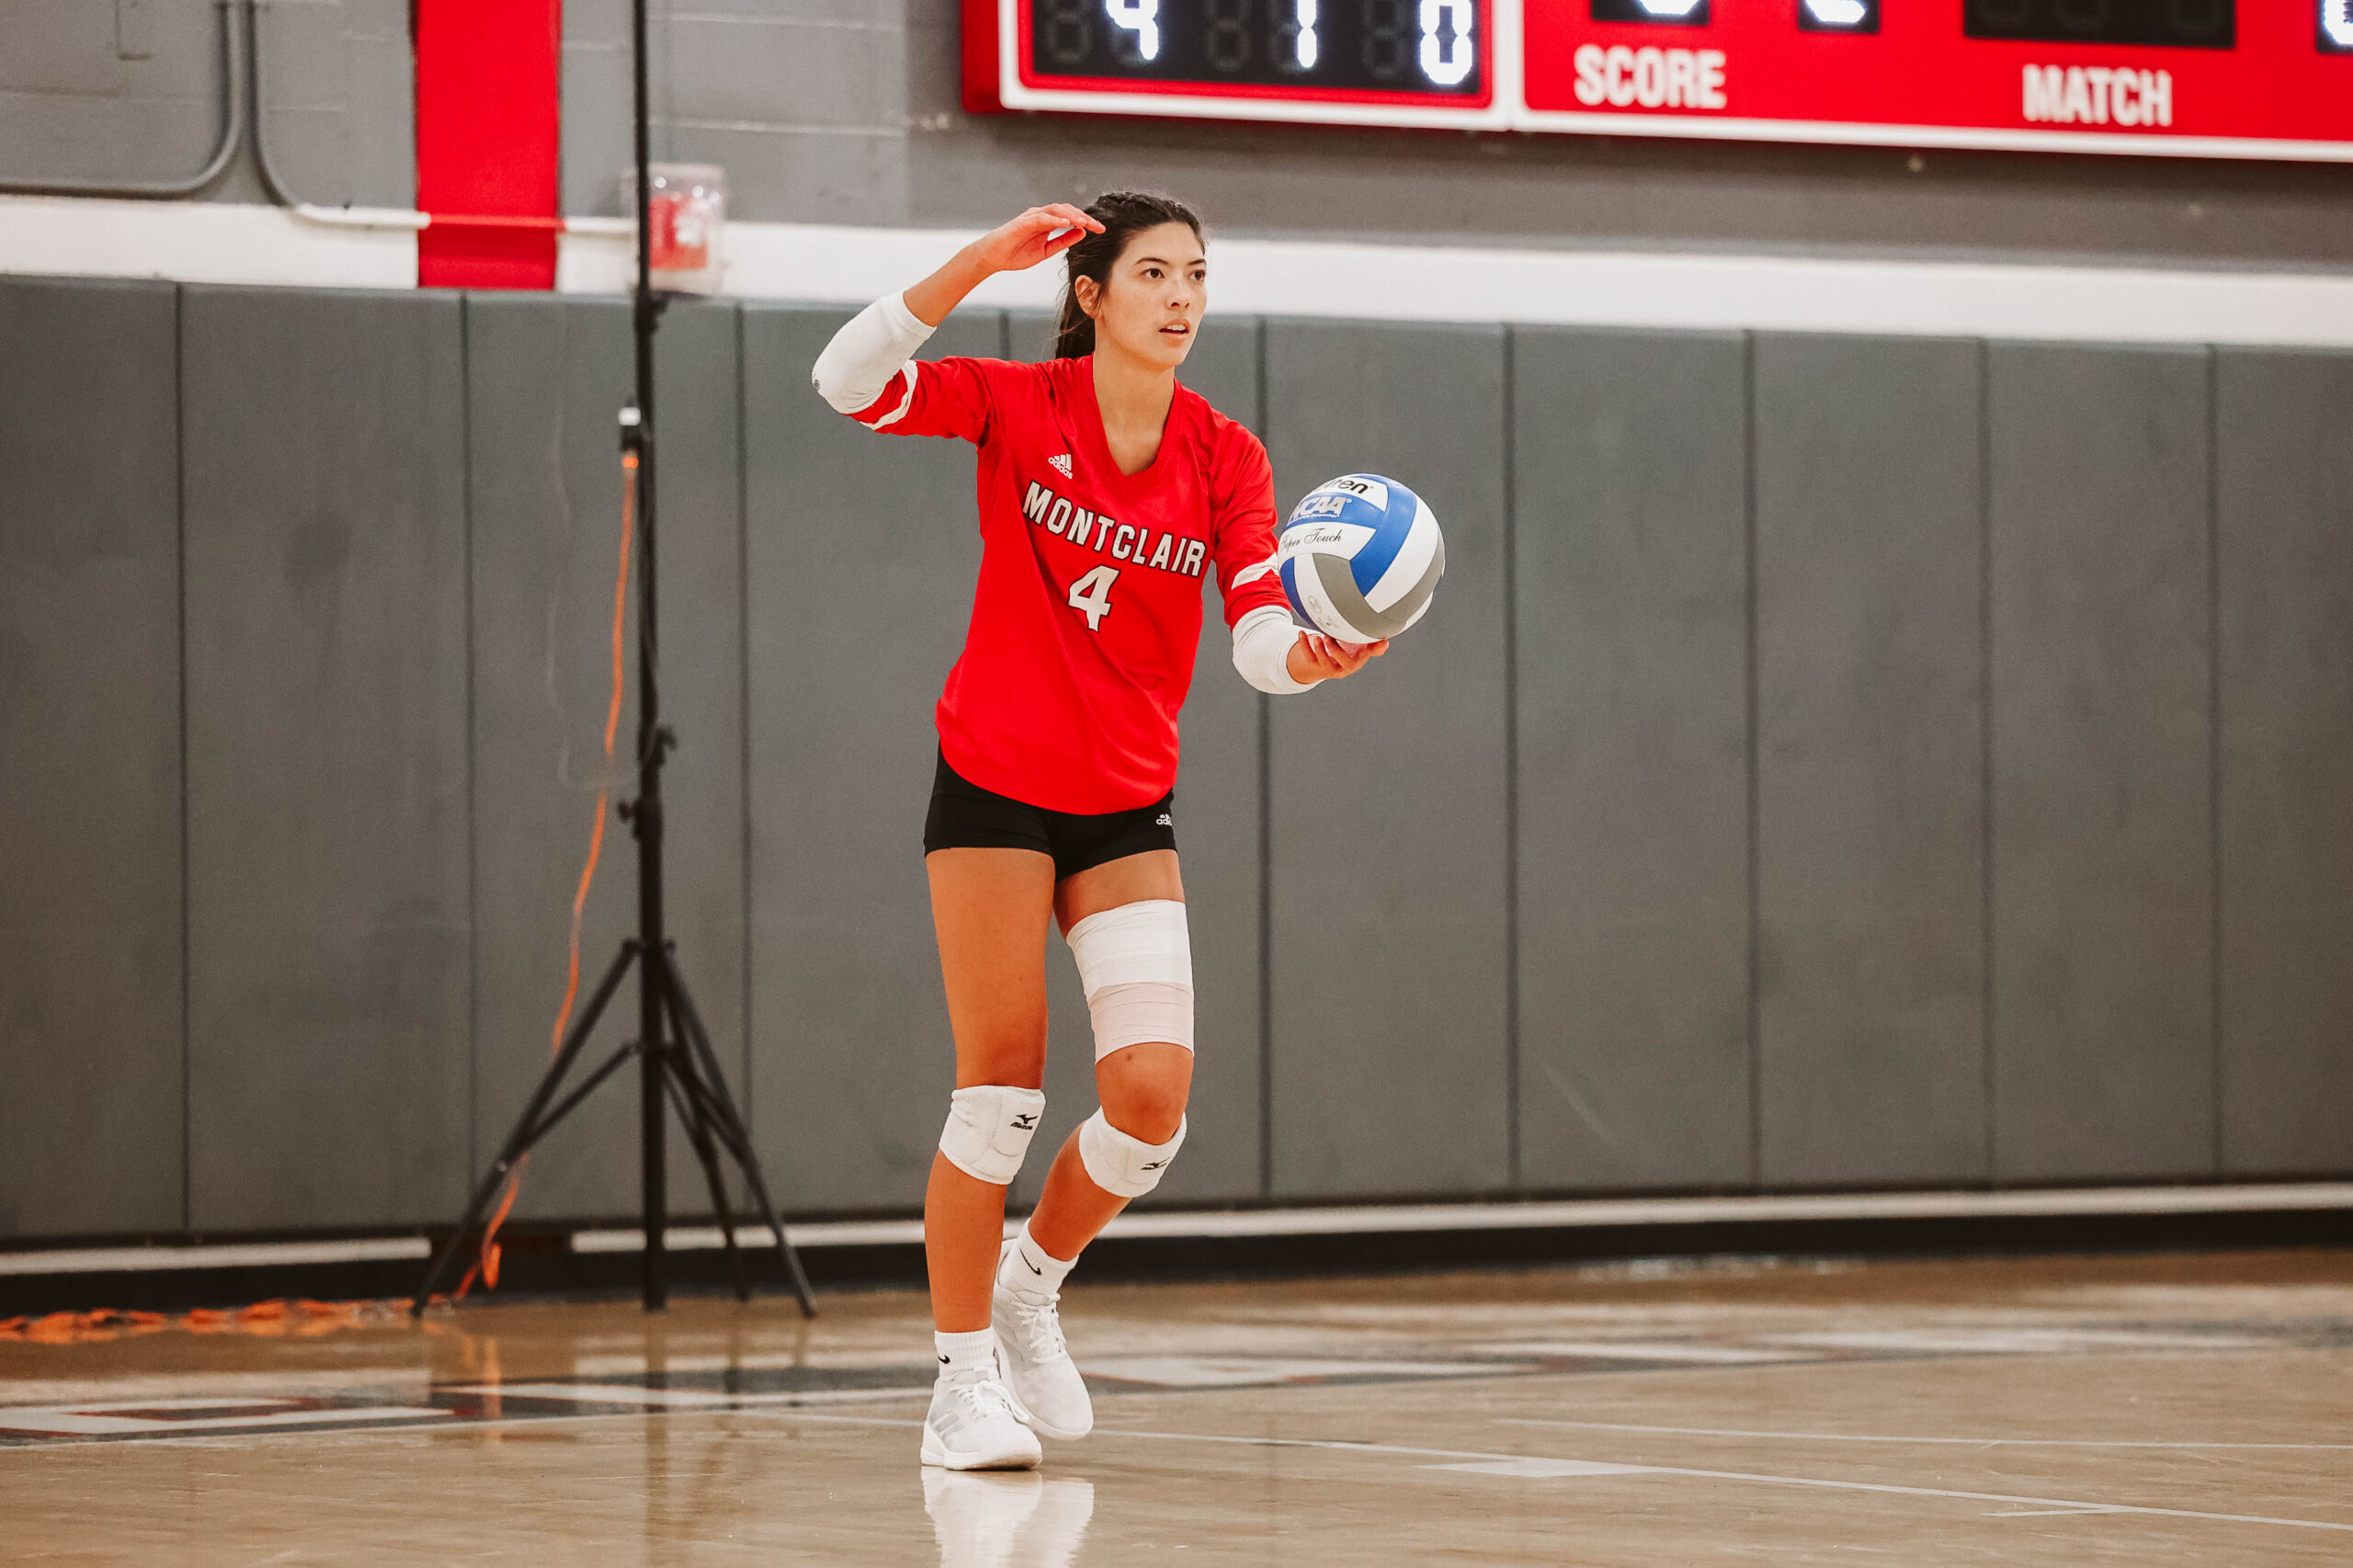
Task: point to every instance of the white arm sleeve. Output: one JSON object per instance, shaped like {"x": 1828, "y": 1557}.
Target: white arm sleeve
{"x": 863, "y": 356}
{"x": 1262, "y": 644}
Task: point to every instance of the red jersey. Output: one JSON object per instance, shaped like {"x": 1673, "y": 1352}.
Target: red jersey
{"x": 1088, "y": 610}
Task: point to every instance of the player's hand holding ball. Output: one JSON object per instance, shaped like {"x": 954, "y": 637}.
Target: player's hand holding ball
{"x": 1360, "y": 558}
{"x": 1317, "y": 658}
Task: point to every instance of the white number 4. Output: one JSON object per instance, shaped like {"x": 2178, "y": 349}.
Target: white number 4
{"x": 1140, "y": 17}
{"x": 1092, "y": 596}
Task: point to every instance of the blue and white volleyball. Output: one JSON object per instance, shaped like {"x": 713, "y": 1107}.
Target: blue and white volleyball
{"x": 1360, "y": 557}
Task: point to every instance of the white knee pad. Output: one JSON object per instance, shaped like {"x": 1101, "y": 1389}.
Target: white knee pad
{"x": 989, "y": 1129}
{"x": 1135, "y": 964}
{"x": 1120, "y": 1162}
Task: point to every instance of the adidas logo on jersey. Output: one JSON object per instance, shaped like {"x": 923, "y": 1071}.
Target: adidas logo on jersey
{"x": 1062, "y": 463}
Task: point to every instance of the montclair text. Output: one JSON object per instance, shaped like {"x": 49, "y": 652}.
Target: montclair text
{"x": 1108, "y": 535}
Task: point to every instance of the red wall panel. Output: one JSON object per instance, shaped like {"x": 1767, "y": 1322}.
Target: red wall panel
{"x": 488, "y": 138}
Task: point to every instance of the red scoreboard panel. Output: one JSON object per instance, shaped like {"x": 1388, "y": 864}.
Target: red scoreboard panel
{"x": 2257, "y": 78}
{"x": 2197, "y": 78}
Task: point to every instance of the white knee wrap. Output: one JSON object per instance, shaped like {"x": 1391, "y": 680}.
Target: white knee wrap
{"x": 1135, "y": 964}
{"x": 1120, "y": 1163}
{"x": 989, "y": 1129}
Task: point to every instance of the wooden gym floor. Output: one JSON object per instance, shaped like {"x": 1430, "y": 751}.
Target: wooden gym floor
{"x": 2084, "y": 1412}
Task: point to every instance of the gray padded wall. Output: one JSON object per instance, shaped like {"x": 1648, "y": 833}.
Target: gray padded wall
{"x": 328, "y": 952}
{"x": 1217, "y": 844}
{"x": 344, "y": 803}
{"x": 1390, "y": 1032}
{"x": 1629, "y": 571}
{"x": 1870, "y": 815}
{"x": 2102, "y": 888}
{"x": 90, "y": 1026}
{"x": 1030, "y": 335}
{"x": 546, "y": 377}
{"x": 861, "y": 551}
{"x": 2285, "y": 560}
{"x": 698, "y": 404}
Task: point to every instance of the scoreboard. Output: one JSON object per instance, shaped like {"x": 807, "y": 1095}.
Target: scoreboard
{"x": 1429, "y": 63}
{"x": 2194, "y": 78}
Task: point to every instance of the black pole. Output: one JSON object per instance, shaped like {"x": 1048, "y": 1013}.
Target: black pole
{"x": 646, "y": 819}
{"x": 676, "y": 1061}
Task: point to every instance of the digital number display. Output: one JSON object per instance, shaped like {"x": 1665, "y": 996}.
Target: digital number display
{"x": 1412, "y": 46}
{"x": 1839, "y": 15}
{"x": 1656, "y": 12}
{"x": 2177, "y": 24}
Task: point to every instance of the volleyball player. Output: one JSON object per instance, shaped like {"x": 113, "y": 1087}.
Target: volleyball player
{"x": 1107, "y": 490}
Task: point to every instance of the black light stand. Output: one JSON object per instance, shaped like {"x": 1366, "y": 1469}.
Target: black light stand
{"x": 676, "y": 1061}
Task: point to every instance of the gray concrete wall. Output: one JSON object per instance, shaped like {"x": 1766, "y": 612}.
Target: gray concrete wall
{"x": 849, "y": 111}
{"x": 1830, "y": 762}
{"x": 130, "y": 90}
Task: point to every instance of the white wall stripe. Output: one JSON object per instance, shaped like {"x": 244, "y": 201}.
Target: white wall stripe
{"x": 1356, "y": 1220}
{"x": 254, "y": 1255}
{"x": 210, "y": 242}
{"x": 199, "y": 242}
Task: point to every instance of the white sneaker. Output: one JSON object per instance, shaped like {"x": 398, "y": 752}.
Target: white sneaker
{"x": 973, "y": 1425}
{"x": 1047, "y": 1391}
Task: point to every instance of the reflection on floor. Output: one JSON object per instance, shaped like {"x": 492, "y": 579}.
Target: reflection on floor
{"x": 2082, "y": 1411}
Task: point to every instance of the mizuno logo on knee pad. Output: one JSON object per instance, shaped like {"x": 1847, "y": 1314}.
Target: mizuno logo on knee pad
{"x": 1120, "y": 1162}
{"x": 989, "y": 1129}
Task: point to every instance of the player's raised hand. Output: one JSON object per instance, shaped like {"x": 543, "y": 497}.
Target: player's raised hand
{"x": 1317, "y": 658}
{"x": 1036, "y": 235}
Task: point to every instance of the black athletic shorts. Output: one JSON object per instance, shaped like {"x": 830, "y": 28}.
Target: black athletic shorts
{"x": 965, "y": 817}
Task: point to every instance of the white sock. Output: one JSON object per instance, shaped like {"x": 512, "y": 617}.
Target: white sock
{"x": 1030, "y": 1269}
{"x": 970, "y": 1352}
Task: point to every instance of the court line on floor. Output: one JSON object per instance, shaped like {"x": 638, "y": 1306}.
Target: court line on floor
{"x": 340, "y": 1422}
{"x": 1957, "y": 1442}
{"x": 676, "y": 1398}
{"x": 77, "y": 1421}
{"x": 2070, "y": 1505}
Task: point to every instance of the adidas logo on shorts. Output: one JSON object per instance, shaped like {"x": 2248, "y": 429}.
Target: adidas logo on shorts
{"x": 1164, "y": 820}
{"x": 1062, "y": 463}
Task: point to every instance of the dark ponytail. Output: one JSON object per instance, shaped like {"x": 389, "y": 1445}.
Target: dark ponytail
{"x": 1124, "y": 214}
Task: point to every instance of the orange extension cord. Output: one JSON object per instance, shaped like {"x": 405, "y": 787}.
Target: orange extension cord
{"x": 486, "y": 1264}
{"x": 306, "y": 1317}
{"x": 277, "y": 1319}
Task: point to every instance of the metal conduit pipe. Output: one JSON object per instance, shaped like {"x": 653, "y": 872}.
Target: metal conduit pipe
{"x": 232, "y": 132}
{"x": 240, "y": 95}
{"x": 387, "y": 217}
{"x": 332, "y": 217}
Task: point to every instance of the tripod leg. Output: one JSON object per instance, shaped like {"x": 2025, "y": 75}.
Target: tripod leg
{"x": 694, "y": 1111}
{"x": 528, "y": 1127}
{"x": 731, "y": 1125}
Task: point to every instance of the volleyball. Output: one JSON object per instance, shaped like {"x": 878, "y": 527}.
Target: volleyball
{"x": 1360, "y": 557}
